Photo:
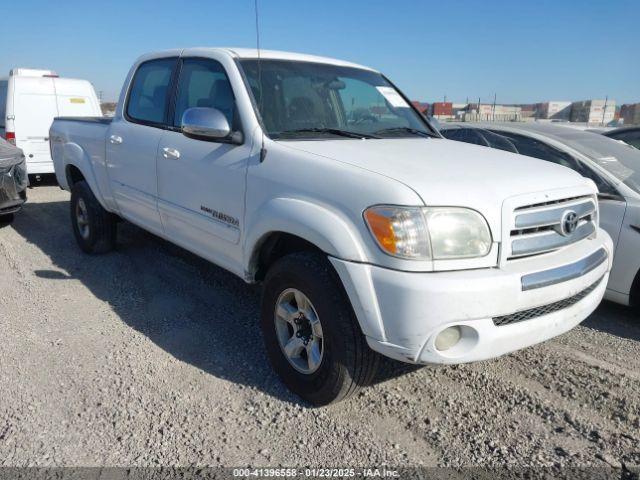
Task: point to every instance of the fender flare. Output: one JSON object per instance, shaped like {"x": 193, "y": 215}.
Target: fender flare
{"x": 74, "y": 155}
{"x": 326, "y": 229}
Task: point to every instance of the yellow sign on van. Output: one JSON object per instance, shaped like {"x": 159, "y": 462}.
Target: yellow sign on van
{"x": 76, "y": 100}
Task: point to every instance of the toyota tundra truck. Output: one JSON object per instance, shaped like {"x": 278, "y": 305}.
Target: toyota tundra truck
{"x": 370, "y": 233}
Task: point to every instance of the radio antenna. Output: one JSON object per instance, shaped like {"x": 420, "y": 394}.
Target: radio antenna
{"x": 263, "y": 151}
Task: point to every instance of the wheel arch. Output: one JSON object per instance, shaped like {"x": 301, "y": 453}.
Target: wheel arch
{"x": 78, "y": 167}
{"x": 288, "y": 225}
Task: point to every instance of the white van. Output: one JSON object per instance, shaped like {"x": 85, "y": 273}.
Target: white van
{"x": 30, "y": 100}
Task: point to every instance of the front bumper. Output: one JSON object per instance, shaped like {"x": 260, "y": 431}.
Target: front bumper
{"x": 401, "y": 313}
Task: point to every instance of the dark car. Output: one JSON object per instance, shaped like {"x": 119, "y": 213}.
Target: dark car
{"x": 13, "y": 180}
{"x": 629, "y": 135}
{"x": 477, "y": 136}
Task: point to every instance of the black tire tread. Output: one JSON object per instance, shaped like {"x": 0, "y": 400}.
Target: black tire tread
{"x": 103, "y": 223}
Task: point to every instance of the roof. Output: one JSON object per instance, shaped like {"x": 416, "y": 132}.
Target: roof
{"x": 280, "y": 55}
{"x": 264, "y": 54}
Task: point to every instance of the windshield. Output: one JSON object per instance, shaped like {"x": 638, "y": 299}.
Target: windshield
{"x": 305, "y": 100}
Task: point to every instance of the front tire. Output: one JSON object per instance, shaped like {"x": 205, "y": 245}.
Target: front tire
{"x": 311, "y": 335}
{"x": 93, "y": 227}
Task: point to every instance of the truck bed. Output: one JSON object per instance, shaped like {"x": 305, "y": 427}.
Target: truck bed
{"x": 79, "y": 141}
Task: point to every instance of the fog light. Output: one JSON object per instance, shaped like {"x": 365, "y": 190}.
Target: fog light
{"x": 448, "y": 338}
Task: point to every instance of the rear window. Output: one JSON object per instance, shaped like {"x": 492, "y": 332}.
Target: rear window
{"x": 150, "y": 90}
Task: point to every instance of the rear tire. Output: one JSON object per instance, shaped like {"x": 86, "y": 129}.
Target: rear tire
{"x": 346, "y": 363}
{"x": 93, "y": 227}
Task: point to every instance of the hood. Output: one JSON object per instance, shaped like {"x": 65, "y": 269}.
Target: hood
{"x": 449, "y": 173}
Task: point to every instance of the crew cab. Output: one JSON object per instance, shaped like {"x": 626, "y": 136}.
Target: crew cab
{"x": 370, "y": 233}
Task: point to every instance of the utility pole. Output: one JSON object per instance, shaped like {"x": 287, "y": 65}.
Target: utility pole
{"x": 478, "y": 119}
{"x": 604, "y": 110}
{"x": 494, "y": 106}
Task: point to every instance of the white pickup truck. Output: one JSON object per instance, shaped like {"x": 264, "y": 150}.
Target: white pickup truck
{"x": 371, "y": 233}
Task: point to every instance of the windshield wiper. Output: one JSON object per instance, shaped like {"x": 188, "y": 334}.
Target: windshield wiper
{"x": 414, "y": 131}
{"x": 334, "y": 131}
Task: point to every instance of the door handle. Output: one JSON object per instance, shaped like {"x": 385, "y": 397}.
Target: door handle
{"x": 115, "y": 139}
{"x": 171, "y": 153}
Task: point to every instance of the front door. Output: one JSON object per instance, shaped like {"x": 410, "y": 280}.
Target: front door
{"x": 201, "y": 184}
{"x": 132, "y": 143}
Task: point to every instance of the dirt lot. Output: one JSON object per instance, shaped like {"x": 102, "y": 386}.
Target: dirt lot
{"x": 151, "y": 356}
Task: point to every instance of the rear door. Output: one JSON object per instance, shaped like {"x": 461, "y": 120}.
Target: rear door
{"x": 34, "y": 108}
{"x": 132, "y": 143}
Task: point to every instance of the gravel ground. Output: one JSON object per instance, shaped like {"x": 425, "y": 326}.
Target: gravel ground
{"x": 150, "y": 356}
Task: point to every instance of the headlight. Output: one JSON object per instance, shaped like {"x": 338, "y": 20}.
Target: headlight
{"x": 438, "y": 233}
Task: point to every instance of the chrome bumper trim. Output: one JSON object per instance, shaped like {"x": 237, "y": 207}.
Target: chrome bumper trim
{"x": 565, "y": 272}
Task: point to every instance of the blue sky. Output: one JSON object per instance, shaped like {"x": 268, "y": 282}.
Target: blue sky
{"x": 525, "y": 51}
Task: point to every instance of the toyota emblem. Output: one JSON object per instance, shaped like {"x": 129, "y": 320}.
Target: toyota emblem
{"x": 569, "y": 223}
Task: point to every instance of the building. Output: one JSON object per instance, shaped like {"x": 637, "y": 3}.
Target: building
{"x": 442, "y": 110}
{"x": 421, "y": 107}
{"x": 527, "y": 110}
{"x": 555, "y": 110}
{"x": 630, "y": 113}
{"x": 593, "y": 112}
{"x": 492, "y": 113}
{"x": 459, "y": 109}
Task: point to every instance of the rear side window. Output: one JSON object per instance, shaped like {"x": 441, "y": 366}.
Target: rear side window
{"x": 204, "y": 83}
{"x": 148, "y": 96}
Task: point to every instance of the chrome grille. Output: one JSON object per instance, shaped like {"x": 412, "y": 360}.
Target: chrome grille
{"x": 544, "y": 309}
{"x": 539, "y": 228}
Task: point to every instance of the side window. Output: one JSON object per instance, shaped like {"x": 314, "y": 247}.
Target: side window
{"x": 148, "y": 95}
{"x": 204, "y": 83}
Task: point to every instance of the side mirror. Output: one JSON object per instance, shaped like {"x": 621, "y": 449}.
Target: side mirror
{"x": 208, "y": 124}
